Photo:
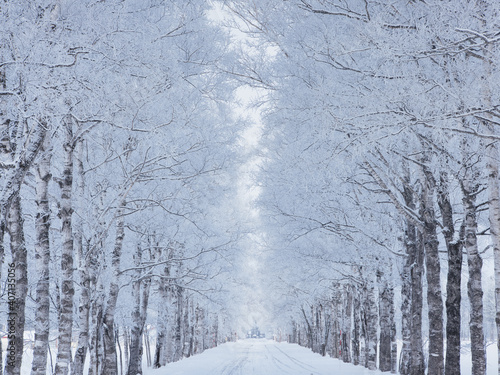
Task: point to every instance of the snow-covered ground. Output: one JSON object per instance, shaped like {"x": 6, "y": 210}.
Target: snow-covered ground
{"x": 259, "y": 357}
{"x": 263, "y": 357}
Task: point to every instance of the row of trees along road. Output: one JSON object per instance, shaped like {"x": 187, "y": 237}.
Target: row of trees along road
{"x": 115, "y": 143}
{"x": 380, "y": 171}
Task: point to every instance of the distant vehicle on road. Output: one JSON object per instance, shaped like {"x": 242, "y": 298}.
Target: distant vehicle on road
{"x": 255, "y": 333}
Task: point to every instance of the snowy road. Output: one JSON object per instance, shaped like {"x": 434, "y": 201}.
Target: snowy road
{"x": 259, "y": 357}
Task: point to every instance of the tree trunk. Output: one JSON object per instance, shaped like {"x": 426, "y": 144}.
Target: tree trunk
{"x": 433, "y": 273}
{"x": 453, "y": 286}
{"x": 405, "y": 363}
{"x": 126, "y": 349}
{"x": 475, "y": 263}
{"x": 371, "y": 327}
{"x": 42, "y": 258}
{"x": 147, "y": 344}
{"x": 67, "y": 289}
{"x": 346, "y": 326}
{"x": 120, "y": 352}
{"x": 141, "y": 298}
{"x": 178, "y": 324}
{"x": 387, "y": 324}
{"x": 412, "y": 356}
{"x": 96, "y": 311}
{"x": 83, "y": 275}
{"x": 162, "y": 322}
{"x": 186, "y": 346}
{"x": 17, "y": 287}
{"x": 110, "y": 366}
{"x": 357, "y": 328}
{"x": 198, "y": 330}
{"x": 135, "y": 365}
{"x": 309, "y": 330}
{"x": 417, "y": 354}
{"x": 336, "y": 299}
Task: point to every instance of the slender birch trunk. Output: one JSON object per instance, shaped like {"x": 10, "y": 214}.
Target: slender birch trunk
{"x": 453, "y": 286}
{"x": 67, "y": 288}
{"x": 198, "y": 340}
{"x": 186, "y": 346}
{"x": 83, "y": 274}
{"x": 171, "y": 308}
{"x": 110, "y": 365}
{"x": 147, "y": 344}
{"x": 346, "y": 326}
{"x": 433, "y": 273}
{"x": 126, "y": 348}
{"x": 42, "y": 258}
{"x": 371, "y": 317}
{"x": 16, "y": 313}
{"x": 406, "y": 316}
{"x": 470, "y": 189}
{"x": 120, "y": 352}
{"x": 357, "y": 328}
{"x": 162, "y": 322}
{"x": 412, "y": 355}
{"x": 417, "y": 346}
{"x": 336, "y": 299}
{"x": 140, "y": 292}
{"x": 309, "y": 331}
{"x": 135, "y": 366}
{"x": 96, "y": 315}
{"x": 387, "y": 324}
{"x": 178, "y": 325}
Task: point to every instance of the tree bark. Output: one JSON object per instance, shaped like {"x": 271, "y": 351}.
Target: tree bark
{"x": 16, "y": 313}
{"x": 140, "y": 292}
{"x": 453, "y": 286}
{"x": 110, "y": 365}
{"x": 346, "y": 329}
{"x": 357, "y": 328}
{"x": 387, "y": 323}
{"x": 67, "y": 288}
{"x": 83, "y": 275}
{"x": 178, "y": 324}
{"x": 96, "y": 314}
{"x": 470, "y": 189}
{"x": 371, "y": 318}
{"x": 198, "y": 340}
{"x": 162, "y": 322}
{"x": 336, "y": 300}
{"x": 417, "y": 347}
{"x": 433, "y": 268}
{"x": 405, "y": 363}
{"x": 42, "y": 258}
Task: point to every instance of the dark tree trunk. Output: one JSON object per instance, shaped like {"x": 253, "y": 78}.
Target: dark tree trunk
{"x": 387, "y": 323}
{"x": 346, "y": 329}
{"x": 470, "y": 189}
{"x": 433, "y": 274}
{"x": 417, "y": 354}
{"x": 17, "y": 273}
{"x": 454, "y": 279}
{"x": 357, "y": 327}
{"x": 67, "y": 288}
{"x": 42, "y": 258}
